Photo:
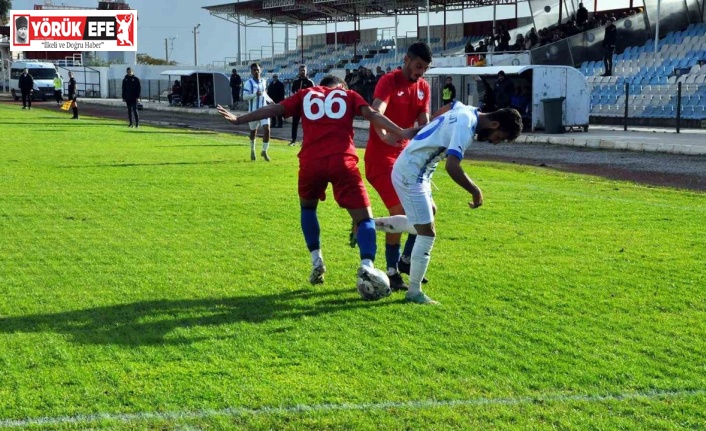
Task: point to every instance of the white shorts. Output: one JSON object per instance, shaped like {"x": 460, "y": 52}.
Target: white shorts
{"x": 415, "y": 198}
{"x": 254, "y": 124}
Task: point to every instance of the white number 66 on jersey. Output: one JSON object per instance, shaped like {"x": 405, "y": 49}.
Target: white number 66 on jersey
{"x": 325, "y": 107}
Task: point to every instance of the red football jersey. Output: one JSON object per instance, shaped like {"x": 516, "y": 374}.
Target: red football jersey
{"x": 405, "y": 101}
{"x": 327, "y": 119}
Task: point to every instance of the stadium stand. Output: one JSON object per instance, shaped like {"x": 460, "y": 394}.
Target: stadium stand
{"x": 653, "y": 80}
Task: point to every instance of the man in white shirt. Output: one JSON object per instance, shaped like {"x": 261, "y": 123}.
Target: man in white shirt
{"x": 448, "y": 137}
{"x": 254, "y": 92}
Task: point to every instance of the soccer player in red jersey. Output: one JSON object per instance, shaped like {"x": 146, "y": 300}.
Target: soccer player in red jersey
{"x": 328, "y": 155}
{"x": 403, "y": 96}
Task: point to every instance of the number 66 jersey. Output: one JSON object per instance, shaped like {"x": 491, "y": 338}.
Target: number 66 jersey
{"x": 327, "y": 120}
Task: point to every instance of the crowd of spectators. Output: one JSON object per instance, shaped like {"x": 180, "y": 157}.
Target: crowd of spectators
{"x": 578, "y": 23}
{"x": 363, "y": 81}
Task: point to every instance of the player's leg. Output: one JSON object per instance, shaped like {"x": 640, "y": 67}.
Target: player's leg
{"x": 134, "y": 112}
{"x": 379, "y": 178}
{"x": 129, "y": 113}
{"x": 74, "y": 108}
{"x": 253, "y": 134}
{"x": 312, "y": 189}
{"x": 394, "y": 224}
{"x": 295, "y": 126}
{"x": 418, "y": 205}
{"x": 265, "y": 139}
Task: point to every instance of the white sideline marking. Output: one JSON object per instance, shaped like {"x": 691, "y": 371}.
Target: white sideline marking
{"x": 237, "y": 411}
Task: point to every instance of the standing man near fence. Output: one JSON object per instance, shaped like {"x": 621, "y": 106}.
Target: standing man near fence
{"x": 300, "y": 83}
{"x": 131, "y": 94}
{"x": 73, "y": 95}
{"x": 26, "y": 84}
{"x": 235, "y": 85}
{"x": 610, "y": 37}
{"x": 403, "y": 96}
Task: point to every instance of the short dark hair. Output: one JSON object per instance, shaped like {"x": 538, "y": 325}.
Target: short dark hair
{"x": 254, "y": 65}
{"x": 331, "y": 81}
{"x": 420, "y": 50}
{"x": 510, "y": 122}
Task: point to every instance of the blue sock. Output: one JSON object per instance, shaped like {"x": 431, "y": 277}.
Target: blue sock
{"x": 409, "y": 245}
{"x": 392, "y": 255}
{"x": 311, "y": 229}
{"x": 366, "y": 239}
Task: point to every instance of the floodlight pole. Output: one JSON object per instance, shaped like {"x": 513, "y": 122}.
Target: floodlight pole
{"x": 196, "y": 49}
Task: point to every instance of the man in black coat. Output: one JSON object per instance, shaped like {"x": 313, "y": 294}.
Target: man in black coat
{"x": 131, "y": 94}
{"x": 73, "y": 95}
{"x": 300, "y": 83}
{"x": 26, "y": 83}
{"x": 609, "y": 39}
{"x": 276, "y": 92}
{"x": 581, "y": 16}
{"x": 236, "y": 84}
{"x": 504, "y": 90}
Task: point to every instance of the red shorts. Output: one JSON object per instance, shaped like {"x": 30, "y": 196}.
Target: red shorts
{"x": 343, "y": 174}
{"x": 379, "y": 175}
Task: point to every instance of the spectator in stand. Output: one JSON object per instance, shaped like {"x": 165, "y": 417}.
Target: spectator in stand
{"x": 348, "y": 78}
{"x": 448, "y": 93}
{"x": 276, "y": 92}
{"x": 609, "y": 40}
{"x": 504, "y": 90}
{"x": 533, "y": 38}
{"x": 481, "y": 47}
{"x": 519, "y": 44}
{"x": 503, "y": 38}
{"x": 469, "y": 48}
{"x": 581, "y": 16}
{"x": 388, "y": 69}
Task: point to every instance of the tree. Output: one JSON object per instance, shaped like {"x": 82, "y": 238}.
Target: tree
{"x": 146, "y": 59}
{"x": 5, "y": 7}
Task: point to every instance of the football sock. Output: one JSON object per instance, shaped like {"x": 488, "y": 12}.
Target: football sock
{"x": 366, "y": 239}
{"x": 421, "y": 254}
{"x": 396, "y": 224}
{"x": 265, "y": 145}
{"x": 392, "y": 255}
{"x": 310, "y": 228}
{"x": 408, "y": 246}
{"x": 316, "y": 257}
{"x": 252, "y": 144}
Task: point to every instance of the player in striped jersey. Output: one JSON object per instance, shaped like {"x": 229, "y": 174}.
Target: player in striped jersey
{"x": 454, "y": 128}
{"x": 254, "y": 92}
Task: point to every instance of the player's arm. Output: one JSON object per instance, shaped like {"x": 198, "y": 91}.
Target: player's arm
{"x": 443, "y": 110}
{"x": 268, "y": 111}
{"x": 456, "y": 172}
{"x": 388, "y": 131}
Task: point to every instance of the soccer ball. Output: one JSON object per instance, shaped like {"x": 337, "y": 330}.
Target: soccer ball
{"x": 373, "y": 284}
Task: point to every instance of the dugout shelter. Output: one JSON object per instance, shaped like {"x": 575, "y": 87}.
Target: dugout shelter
{"x": 218, "y": 81}
{"x": 544, "y": 82}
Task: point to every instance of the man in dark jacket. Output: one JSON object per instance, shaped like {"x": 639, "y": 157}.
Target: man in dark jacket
{"x": 504, "y": 90}
{"x": 581, "y": 16}
{"x": 300, "y": 83}
{"x": 26, "y": 83}
{"x": 236, "y": 84}
{"x": 276, "y": 92}
{"x": 73, "y": 95}
{"x": 609, "y": 39}
{"x": 131, "y": 94}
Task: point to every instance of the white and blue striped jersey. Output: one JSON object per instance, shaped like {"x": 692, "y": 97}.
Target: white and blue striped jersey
{"x": 448, "y": 134}
{"x": 250, "y": 89}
